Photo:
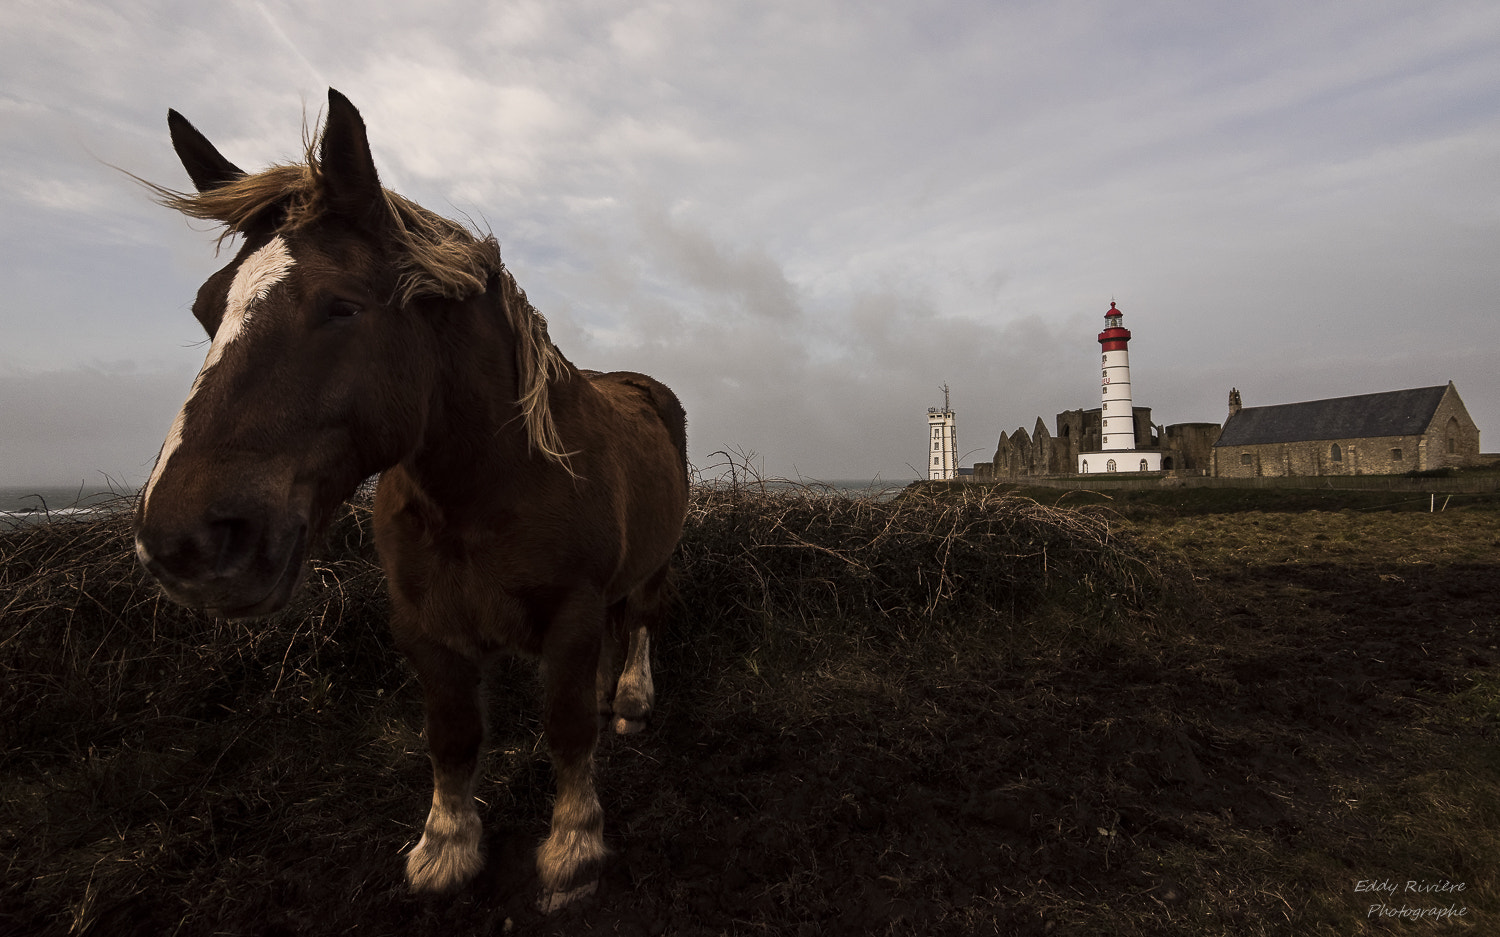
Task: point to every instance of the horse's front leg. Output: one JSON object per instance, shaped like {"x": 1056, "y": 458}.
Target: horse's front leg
{"x": 448, "y": 854}
{"x": 569, "y": 860}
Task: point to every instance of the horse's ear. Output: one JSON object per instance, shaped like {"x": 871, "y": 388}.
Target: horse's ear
{"x": 350, "y": 183}
{"x": 204, "y": 164}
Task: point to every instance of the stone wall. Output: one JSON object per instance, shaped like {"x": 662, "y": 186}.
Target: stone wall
{"x": 1453, "y": 438}
{"x": 1380, "y": 455}
{"x": 1189, "y": 447}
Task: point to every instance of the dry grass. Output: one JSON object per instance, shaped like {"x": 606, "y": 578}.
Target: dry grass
{"x": 128, "y": 722}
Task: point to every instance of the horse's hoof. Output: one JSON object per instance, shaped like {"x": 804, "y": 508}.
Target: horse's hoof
{"x": 424, "y": 875}
{"x": 625, "y": 726}
{"x": 443, "y": 864}
{"x": 552, "y": 901}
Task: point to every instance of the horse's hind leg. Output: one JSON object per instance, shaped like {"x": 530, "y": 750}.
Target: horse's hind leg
{"x": 448, "y": 854}
{"x": 612, "y": 651}
{"x": 635, "y": 693}
{"x": 569, "y": 860}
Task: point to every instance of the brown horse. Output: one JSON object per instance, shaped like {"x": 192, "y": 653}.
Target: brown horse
{"x": 523, "y": 506}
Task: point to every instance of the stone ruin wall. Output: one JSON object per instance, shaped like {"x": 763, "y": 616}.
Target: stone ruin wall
{"x": 1186, "y": 447}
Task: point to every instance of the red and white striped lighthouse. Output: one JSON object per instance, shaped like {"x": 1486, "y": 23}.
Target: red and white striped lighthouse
{"x": 1117, "y": 411}
{"x": 1117, "y": 416}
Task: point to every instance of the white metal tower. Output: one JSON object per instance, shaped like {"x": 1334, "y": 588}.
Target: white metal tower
{"x": 942, "y": 439}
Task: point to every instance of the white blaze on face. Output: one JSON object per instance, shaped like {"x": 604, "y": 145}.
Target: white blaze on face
{"x": 260, "y": 272}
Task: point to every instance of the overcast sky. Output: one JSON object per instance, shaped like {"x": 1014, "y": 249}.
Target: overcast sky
{"x": 803, "y": 216}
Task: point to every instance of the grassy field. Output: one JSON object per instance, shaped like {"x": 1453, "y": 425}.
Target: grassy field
{"x": 964, "y": 711}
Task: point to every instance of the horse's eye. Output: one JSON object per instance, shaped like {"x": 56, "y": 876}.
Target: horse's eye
{"x": 343, "y": 309}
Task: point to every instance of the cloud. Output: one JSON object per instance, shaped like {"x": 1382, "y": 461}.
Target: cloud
{"x": 808, "y": 216}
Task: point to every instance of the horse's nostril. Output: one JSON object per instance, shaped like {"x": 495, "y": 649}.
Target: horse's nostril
{"x": 231, "y": 544}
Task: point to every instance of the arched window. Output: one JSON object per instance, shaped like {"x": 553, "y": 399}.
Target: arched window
{"x": 1111, "y": 467}
{"x": 1144, "y": 467}
{"x": 1336, "y": 454}
{"x": 1085, "y": 466}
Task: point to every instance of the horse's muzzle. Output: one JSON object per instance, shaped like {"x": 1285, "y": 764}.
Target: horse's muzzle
{"x": 234, "y": 567}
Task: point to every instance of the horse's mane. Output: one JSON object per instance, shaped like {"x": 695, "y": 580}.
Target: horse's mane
{"x": 436, "y": 257}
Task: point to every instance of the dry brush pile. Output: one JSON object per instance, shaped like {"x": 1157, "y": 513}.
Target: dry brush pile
{"x": 85, "y": 636}
{"x": 758, "y": 551}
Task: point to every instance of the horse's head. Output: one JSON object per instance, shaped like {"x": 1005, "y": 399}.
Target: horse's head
{"x": 316, "y": 377}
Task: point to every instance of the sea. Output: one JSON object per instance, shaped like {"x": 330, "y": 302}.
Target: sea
{"x": 29, "y": 504}
{"x": 854, "y": 487}
{"x": 880, "y": 489}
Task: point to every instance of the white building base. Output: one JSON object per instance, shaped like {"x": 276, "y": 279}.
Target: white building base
{"x": 1123, "y": 460}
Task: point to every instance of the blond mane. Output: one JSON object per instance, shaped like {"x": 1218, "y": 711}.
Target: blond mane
{"x": 436, "y": 258}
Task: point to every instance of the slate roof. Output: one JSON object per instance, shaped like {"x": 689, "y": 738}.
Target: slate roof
{"x": 1393, "y": 413}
